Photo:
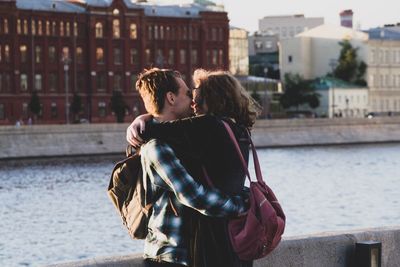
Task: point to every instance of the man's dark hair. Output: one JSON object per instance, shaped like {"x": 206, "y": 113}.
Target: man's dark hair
{"x": 153, "y": 85}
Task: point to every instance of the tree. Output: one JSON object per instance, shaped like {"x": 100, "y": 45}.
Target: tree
{"x": 349, "y": 68}
{"x": 34, "y": 104}
{"x": 118, "y": 106}
{"x": 76, "y": 106}
{"x": 298, "y": 92}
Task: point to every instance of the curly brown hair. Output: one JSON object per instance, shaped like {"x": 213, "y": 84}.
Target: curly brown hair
{"x": 226, "y": 97}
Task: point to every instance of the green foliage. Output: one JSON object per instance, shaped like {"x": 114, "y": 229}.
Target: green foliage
{"x": 118, "y": 106}
{"x": 34, "y": 104}
{"x": 349, "y": 68}
{"x": 298, "y": 92}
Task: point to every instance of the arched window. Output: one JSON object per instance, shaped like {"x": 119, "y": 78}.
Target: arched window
{"x": 99, "y": 30}
{"x": 116, "y": 29}
{"x": 133, "y": 31}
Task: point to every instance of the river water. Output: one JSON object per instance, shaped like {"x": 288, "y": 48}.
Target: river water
{"x": 57, "y": 210}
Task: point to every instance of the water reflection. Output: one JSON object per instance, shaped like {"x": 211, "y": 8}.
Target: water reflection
{"x": 57, "y": 210}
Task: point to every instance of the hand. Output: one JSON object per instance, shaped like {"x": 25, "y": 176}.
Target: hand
{"x": 136, "y": 128}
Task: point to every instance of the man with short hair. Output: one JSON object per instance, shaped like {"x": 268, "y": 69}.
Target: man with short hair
{"x": 175, "y": 193}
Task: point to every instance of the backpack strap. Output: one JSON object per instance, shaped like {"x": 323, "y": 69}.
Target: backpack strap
{"x": 239, "y": 152}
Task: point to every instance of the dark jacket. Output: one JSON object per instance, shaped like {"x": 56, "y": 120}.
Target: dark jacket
{"x": 203, "y": 141}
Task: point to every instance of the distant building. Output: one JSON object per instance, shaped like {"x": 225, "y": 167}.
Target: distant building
{"x": 383, "y": 70}
{"x": 346, "y": 18}
{"x": 288, "y": 26}
{"x": 314, "y": 53}
{"x": 238, "y": 51}
{"x": 94, "y": 47}
{"x": 340, "y": 99}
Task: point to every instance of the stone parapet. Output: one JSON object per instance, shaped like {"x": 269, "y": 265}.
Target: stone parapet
{"x": 327, "y": 249}
{"x": 89, "y": 139}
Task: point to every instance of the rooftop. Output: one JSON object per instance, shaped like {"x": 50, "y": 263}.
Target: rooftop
{"x": 384, "y": 33}
{"x": 151, "y": 7}
{"x": 334, "y": 32}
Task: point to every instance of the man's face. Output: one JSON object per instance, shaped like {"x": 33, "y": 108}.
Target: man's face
{"x": 183, "y": 100}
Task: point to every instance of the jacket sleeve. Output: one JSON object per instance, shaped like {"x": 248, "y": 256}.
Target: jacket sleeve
{"x": 165, "y": 170}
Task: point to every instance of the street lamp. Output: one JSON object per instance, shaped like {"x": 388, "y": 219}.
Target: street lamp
{"x": 66, "y": 60}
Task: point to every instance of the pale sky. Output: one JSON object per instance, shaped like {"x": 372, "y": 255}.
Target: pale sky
{"x": 367, "y": 13}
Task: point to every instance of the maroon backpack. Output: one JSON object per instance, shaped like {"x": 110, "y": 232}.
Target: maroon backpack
{"x": 258, "y": 232}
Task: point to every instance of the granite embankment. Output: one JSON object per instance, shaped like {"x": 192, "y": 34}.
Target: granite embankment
{"x": 321, "y": 250}
{"x": 84, "y": 139}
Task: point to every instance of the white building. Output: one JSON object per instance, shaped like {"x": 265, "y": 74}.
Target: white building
{"x": 341, "y": 99}
{"x": 288, "y": 26}
{"x": 314, "y": 53}
{"x": 238, "y": 51}
{"x": 383, "y": 70}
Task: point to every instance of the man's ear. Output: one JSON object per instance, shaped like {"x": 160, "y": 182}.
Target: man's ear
{"x": 170, "y": 98}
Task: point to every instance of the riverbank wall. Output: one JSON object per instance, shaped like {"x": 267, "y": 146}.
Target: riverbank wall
{"x": 328, "y": 250}
{"x": 91, "y": 139}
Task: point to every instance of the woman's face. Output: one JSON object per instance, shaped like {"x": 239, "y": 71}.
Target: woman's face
{"x": 199, "y": 106}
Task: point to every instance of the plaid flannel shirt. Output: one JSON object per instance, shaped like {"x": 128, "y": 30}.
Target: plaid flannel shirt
{"x": 166, "y": 178}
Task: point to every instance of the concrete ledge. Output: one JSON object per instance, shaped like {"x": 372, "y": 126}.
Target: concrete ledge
{"x": 327, "y": 250}
{"x": 89, "y": 139}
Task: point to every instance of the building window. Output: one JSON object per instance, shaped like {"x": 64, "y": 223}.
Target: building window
{"x": 53, "y": 28}
{"x": 33, "y": 27}
{"x": 40, "y": 27}
{"x": 195, "y": 57}
{"x": 23, "y": 50}
{"x": 150, "y": 32}
{"x": 6, "y": 30}
{"x": 162, "y": 32}
{"x": 25, "y": 109}
{"x": 1, "y": 54}
{"x": 117, "y": 56}
{"x": 61, "y": 28}
{"x": 213, "y": 34}
{"x": 159, "y": 58}
{"x": 24, "y": 82}
{"x": 167, "y": 33}
{"x": 53, "y": 110}
{"x": 53, "y": 82}
{"x": 214, "y": 59}
{"x": 133, "y": 82}
{"x": 68, "y": 29}
{"x": 220, "y": 56}
{"x": 115, "y": 12}
{"x": 75, "y": 29}
{"x": 185, "y": 33}
{"x": 221, "y": 34}
{"x": 290, "y": 59}
{"x": 18, "y": 26}
{"x": 100, "y": 55}
{"x": 99, "y": 30}
{"x": 101, "y": 82}
{"x": 102, "y": 109}
{"x": 117, "y": 82}
{"x": 47, "y": 28}
{"x": 25, "y": 27}
{"x": 65, "y": 53}
{"x": 5, "y": 82}
{"x": 171, "y": 57}
{"x": 182, "y": 56}
{"x": 156, "y": 32}
{"x": 133, "y": 31}
{"x": 208, "y": 57}
{"x": 80, "y": 82}
{"x": 6, "y": 53}
{"x": 79, "y": 55}
{"x": 38, "y": 54}
{"x": 52, "y": 54}
{"x": 38, "y": 82}
{"x": 147, "y": 54}
{"x": 2, "y": 112}
{"x": 116, "y": 29}
{"x": 133, "y": 56}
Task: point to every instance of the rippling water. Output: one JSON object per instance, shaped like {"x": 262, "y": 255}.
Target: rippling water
{"x": 58, "y": 210}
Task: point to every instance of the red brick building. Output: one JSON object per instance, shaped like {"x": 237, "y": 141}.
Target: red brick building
{"x": 94, "y": 47}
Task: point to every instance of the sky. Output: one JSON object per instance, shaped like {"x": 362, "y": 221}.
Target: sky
{"x": 367, "y": 13}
